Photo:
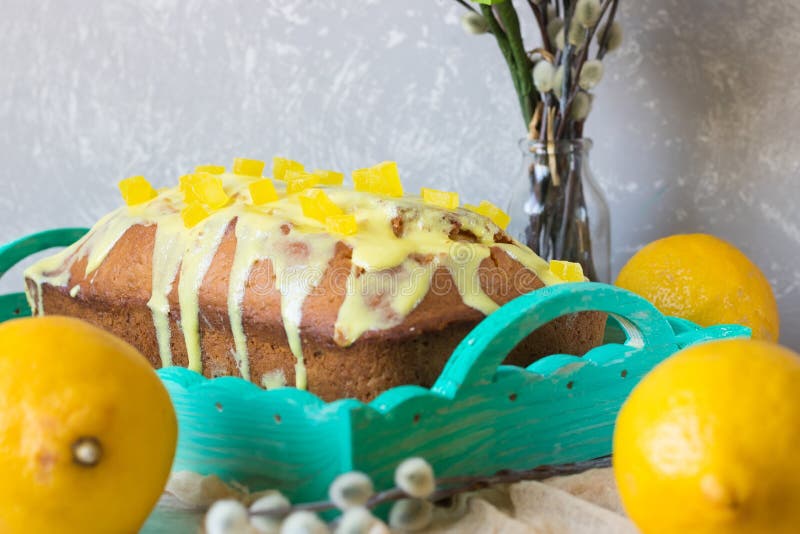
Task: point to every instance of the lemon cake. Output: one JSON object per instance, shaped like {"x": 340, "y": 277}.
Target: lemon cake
{"x": 299, "y": 280}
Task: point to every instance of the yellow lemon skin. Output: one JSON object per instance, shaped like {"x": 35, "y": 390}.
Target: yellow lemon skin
{"x": 704, "y": 279}
{"x": 65, "y": 384}
{"x": 707, "y": 443}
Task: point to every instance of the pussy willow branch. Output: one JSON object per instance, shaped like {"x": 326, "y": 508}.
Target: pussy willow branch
{"x": 563, "y": 8}
{"x": 503, "y": 23}
{"x": 567, "y": 65}
{"x": 601, "y": 52}
{"x": 546, "y": 21}
{"x": 541, "y": 21}
{"x": 548, "y": 99}
{"x": 451, "y": 486}
{"x": 583, "y": 53}
{"x": 466, "y": 5}
{"x": 569, "y": 204}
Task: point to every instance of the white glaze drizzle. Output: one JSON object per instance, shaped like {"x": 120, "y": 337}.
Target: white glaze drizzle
{"x": 169, "y": 245}
{"x": 299, "y": 259}
{"x": 248, "y": 237}
{"x": 55, "y": 270}
{"x": 201, "y": 247}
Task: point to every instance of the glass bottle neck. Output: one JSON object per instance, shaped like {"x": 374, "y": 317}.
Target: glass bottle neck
{"x": 558, "y": 148}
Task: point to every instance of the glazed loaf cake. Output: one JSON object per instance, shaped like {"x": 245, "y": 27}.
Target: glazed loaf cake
{"x": 299, "y": 282}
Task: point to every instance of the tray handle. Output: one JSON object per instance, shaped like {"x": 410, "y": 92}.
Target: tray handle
{"x": 15, "y": 305}
{"x": 477, "y": 357}
{"x": 16, "y": 251}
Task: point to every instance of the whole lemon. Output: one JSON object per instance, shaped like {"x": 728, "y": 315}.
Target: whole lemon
{"x": 87, "y": 430}
{"x": 704, "y": 279}
{"x": 707, "y": 443}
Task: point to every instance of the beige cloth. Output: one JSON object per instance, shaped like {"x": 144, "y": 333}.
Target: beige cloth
{"x": 586, "y": 503}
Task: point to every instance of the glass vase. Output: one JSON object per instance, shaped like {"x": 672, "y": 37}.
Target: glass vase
{"x": 557, "y": 208}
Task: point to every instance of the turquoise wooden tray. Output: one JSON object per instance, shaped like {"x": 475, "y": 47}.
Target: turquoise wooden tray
{"x": 479, "y": 417}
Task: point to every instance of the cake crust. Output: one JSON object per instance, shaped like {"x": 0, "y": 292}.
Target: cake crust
{"x": 115, "y": 297}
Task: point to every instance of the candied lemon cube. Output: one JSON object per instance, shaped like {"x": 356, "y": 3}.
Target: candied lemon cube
{"x": 389, "y": 179}
{"x": 329, "y": 177}
{"x": 185, "y": 187}
{"x": 297, "y": 181}
{"x": 317, "y": 205}
{"x": 498, "y": 216}
{"x": 567, "y": 270}
{"x": 443, "y": 199}
{"x": 362, "y": 180}
{"x": 262, "y": 191}
{"x": 248, "y": 167}
{"x": 344, "y": 224}
{"x": 136, "y": 190}
{"x": 210, "y": 169}
{"x": 383, "y": 179}
{"x": 207, "y": 190}
{"x": 280, "y": 166}
{"x": 193, "y": 214}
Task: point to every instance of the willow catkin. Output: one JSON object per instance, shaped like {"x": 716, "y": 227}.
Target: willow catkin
{"x": 304, "y": 522}
{"x": 591, "y": 74}
{"x": 581, "y": 106}
{"x": 543, "y": 74}
{"x": 554, "y": 28}
{"x": 577, "y": 34}
{"x": 614, "y": 36}
{"x": 274, "y": 504}
{"x": 350, "y": 490}
{"x": 558, "y": 81}
{"x": 411, "y": 514}
{"x": 415, "y": 477}
{"x": 227, "y": 516}
{"x": 559, "y": 41}
{"x": 474, "y": 24}
{"x": 358, "y": 520}
{"x": 587, "y": 12}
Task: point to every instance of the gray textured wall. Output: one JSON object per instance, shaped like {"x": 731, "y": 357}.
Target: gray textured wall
{"x": 694, "y": 124}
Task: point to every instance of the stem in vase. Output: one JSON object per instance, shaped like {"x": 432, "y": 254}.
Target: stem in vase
{"x": 560, "y": 227}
